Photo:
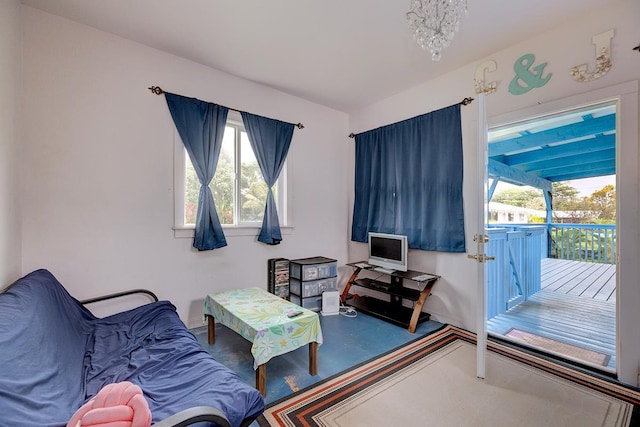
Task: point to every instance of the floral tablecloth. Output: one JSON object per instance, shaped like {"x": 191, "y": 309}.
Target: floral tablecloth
{"x": 262, "y": 318}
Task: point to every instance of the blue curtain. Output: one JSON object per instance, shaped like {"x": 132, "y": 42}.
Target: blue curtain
{"x": 408, "y": 180}
{"x": 270, "y": 140}
{"x": 201, "y": 127}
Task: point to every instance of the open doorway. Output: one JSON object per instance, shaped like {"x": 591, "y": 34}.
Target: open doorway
{"x": 553, "y": 231}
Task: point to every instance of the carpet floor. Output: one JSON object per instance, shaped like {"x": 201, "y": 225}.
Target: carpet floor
{"x": 432, "y": 381}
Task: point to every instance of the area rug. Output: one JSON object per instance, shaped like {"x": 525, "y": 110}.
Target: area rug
{"x": 561, "y": 348}
{"x": 433, "y": 382}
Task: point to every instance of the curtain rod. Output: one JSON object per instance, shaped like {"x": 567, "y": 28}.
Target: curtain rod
{"x": 158, "y": 91}
{"x": 465, "y": 101}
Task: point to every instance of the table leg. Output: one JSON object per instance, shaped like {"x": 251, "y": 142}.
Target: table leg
{"x": 261, "y": 379}
{"x": 212, "y": 330}
{"x": 313, "y": 358}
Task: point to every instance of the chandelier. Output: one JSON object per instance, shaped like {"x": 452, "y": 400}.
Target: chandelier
{"x": 435, "y": 22}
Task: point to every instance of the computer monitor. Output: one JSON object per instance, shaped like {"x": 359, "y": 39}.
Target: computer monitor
{"x": 388, "y": 251}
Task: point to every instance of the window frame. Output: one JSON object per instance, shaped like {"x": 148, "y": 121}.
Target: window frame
{"x": 283, "y": 193}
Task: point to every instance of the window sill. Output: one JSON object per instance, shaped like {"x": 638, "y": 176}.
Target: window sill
{"x": 189, "y": 232}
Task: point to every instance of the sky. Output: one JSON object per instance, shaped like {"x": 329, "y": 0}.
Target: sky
{"x": 588, "y": 185}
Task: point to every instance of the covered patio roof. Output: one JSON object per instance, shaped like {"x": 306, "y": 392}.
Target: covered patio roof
{"x": 573, "y": 145}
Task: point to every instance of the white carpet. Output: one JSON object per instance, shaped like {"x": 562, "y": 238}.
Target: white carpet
{"x": 442, "y": 390}
{"x": 432, "y": 382}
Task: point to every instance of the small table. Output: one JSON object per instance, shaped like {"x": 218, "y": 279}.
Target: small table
{"x": 263, "y": 319}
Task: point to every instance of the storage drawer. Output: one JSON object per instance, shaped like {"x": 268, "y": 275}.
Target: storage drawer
{"x": 313, "y": 268}
{"x": 312, "y": 303}
{"x": 278, "y": 277}
{"x": 313, "y": 287}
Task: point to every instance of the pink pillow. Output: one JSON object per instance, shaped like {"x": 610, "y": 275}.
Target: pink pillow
{"x": 116, "y": 405}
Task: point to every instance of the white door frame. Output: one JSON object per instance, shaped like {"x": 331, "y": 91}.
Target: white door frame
{"x": 481, "y": 307}
{"x": 628, "y": 209}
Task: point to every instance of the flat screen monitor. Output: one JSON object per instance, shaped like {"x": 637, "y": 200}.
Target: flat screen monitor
{"x": 388, "y": 251}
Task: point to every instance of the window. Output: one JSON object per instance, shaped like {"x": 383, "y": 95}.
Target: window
{"x": 238, "y": 188}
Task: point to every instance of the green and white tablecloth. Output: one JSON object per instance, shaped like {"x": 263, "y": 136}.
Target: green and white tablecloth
{"x": 261, "y": 318}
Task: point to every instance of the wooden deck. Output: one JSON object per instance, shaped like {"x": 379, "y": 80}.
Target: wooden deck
{"x": 583, "y": 279}
{"x": 576, "y": 305}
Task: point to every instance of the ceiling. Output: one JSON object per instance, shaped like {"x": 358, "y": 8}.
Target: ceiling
{"x": 345, "y": 54}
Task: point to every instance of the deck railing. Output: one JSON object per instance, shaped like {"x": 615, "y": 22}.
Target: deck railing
{"x": 583, "y": 242}
{"x": 518, "y": 249}
{"x": 515, "y": 273}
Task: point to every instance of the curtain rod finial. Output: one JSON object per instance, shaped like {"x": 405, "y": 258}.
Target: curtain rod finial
{"x": 156, "y": 89}
{"x": 352, "y": 135}
{"x": 300, "y": 126}
{"x": 466, "y": 101}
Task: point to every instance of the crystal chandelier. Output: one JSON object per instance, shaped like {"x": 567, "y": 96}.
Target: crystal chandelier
{"x": 435, "y": 22}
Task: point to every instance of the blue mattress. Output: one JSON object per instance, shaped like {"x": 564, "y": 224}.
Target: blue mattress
{"x": 56, "y": 355}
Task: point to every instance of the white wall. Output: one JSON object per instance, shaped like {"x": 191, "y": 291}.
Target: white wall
{"x": 10, "y": 67}
{"x": 98, "y": 169}
{"x": 454, "y": 298}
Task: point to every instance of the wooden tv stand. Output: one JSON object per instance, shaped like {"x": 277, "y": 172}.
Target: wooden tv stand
{"x": 392, "y": 310}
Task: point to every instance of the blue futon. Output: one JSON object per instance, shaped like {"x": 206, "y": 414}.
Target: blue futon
{"x": 55, "y": 355}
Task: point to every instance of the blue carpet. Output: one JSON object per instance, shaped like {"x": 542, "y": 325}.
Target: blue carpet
{"x": 347, "y": 342}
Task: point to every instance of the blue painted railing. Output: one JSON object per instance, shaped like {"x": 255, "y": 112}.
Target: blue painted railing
{"x": 518, "y": 249}
{"x": 515, "y": 274}
{"x": 583, "y": 242}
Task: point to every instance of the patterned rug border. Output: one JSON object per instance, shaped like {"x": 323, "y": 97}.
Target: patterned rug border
{"x": 427, "y": 344}
{"x": 357, "y": 366}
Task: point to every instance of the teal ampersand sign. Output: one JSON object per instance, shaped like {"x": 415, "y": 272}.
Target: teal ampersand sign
{"x": 528, "y": 78}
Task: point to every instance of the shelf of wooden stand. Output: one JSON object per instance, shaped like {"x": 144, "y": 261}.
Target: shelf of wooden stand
{"x": 384, "y": 310}
{"x": 377, "y": 285}
{"x": 391, "y": 308}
